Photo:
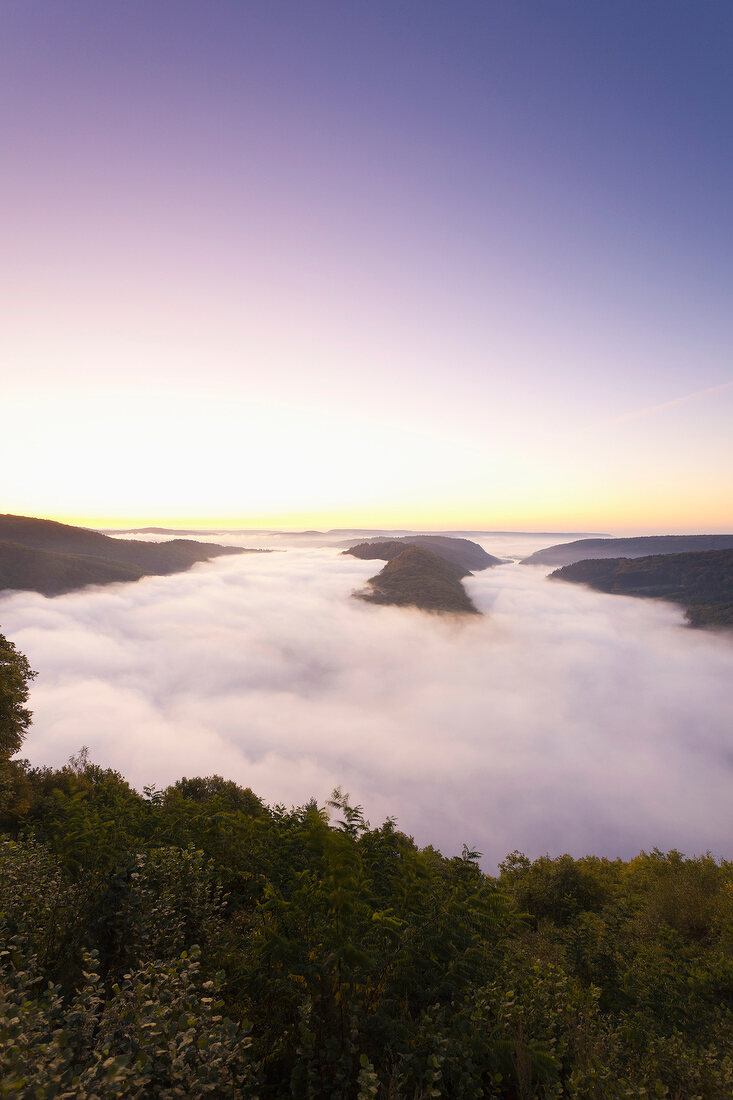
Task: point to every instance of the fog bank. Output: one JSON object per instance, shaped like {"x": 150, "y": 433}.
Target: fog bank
{"x": 562, "y": 720}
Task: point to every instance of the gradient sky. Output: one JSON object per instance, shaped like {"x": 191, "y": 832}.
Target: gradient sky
{"x": 326, "y": 264}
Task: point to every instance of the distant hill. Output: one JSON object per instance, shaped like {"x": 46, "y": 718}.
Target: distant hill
{"x": 159, "y": 531}
{"x": 375, "y": 532}
{"x": 565, "y": 553}
{"x": 44, "y": 556}
{"x": 469, "y": 555}
{"x": 416, "y": 577}
{"x": 390, "y": 533}
{"x": 185, "y": 531}
{"x": 702, "y": 581}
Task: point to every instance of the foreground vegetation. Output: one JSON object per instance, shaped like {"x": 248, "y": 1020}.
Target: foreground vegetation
{"x": 194, "y": 942}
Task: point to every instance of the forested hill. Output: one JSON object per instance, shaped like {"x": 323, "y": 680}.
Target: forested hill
{"x": 565, "y": 553}
{"x": 416, "y": 577}
{"x": 459, "y": 551}
{"x": 702, "y": 581}
{"x": 52, "y": 558}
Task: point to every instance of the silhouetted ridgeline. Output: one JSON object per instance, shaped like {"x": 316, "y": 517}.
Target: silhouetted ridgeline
{"x": 568, "y": 552}
{"x": 702, "y": 581}
{"x": 52, "y": 558}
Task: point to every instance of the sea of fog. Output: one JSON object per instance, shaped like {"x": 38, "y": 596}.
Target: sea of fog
{"x": 561, "y": 720}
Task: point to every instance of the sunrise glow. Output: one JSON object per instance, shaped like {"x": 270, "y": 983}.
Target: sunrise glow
{"x": 291, "y": 289}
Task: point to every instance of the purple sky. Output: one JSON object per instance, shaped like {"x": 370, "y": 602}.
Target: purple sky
{"x": 437, "y": 264}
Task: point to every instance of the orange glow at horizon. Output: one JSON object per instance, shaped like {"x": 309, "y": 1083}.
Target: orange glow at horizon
{"x": 634, "y": 516}
{"x": 281, "y": 278}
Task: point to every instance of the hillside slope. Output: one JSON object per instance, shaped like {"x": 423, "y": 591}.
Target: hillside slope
{"x": 416, "y": 577}
{"x": 702, "y": 582}
{"x": 53, "y": 558}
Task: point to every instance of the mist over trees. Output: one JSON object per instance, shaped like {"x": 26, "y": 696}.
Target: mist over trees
{"x": 194, "y": 941}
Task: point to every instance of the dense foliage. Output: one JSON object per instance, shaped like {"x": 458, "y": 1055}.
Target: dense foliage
{"x": 701, "y": 581}
{"x": 15, "y": 717}
{"x": 194, "y": 942}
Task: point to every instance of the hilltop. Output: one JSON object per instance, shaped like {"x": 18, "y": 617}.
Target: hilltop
{"x": 416, "y": 577}
{"x": 565, "y": 553}
{"x": 702, "y": 581}
{"x": 469, "y": 555}
{"x": 41, "y": 555}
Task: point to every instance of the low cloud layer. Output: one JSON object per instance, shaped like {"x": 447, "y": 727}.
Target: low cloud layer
{"x": 563, "y": 720}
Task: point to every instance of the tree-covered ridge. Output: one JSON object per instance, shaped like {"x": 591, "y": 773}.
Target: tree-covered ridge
{"x": 43, "y": 556}
{"x": 464, "y": 552}
{"x": 702, "y": 582}
{"x": 416, "y": 577}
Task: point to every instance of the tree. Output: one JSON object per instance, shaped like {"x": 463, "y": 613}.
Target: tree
{"x": 15, "y": 674}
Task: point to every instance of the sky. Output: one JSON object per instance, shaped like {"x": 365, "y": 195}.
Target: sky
{"x": 439, "y": 265}
{"x": 561, "y": 719}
